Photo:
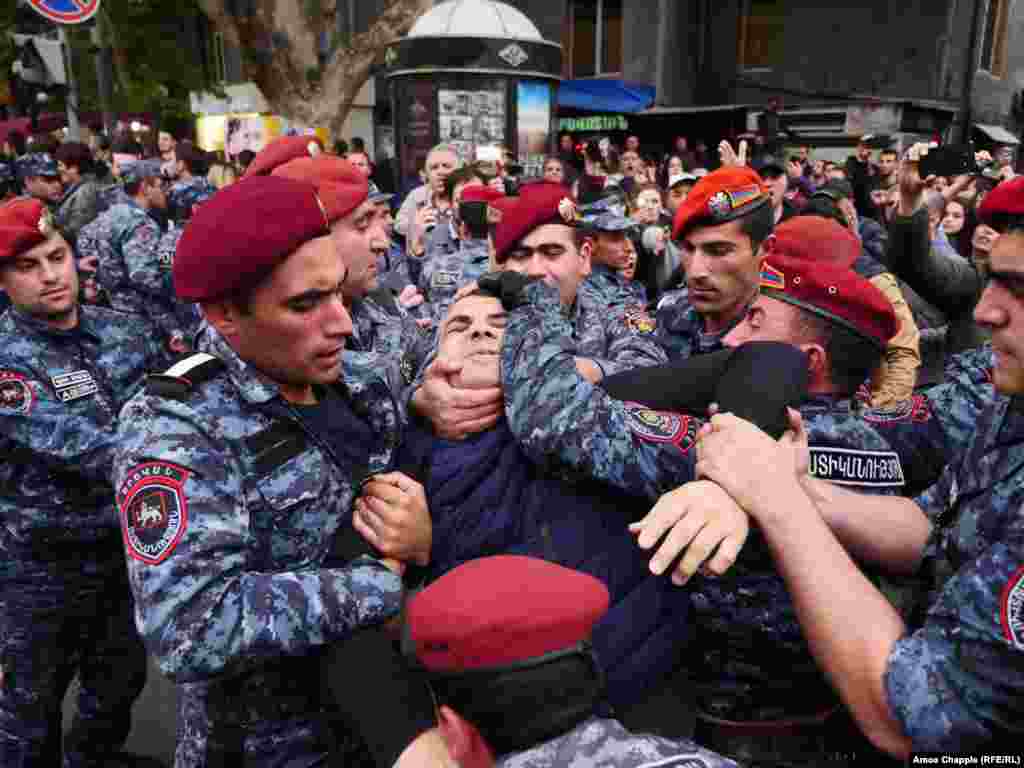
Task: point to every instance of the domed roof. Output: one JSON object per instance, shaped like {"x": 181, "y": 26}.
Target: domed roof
{"x": 475, "y": 18}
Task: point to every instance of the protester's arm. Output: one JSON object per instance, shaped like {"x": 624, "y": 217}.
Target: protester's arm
{"x": 202, "y": 609}
{"x": 830, "y": 593}
{"x": 896, "y": 376}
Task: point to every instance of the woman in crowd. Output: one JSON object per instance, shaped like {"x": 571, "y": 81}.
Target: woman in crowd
{"x": 959, "y": 223}
{"x": 554, "y": 169}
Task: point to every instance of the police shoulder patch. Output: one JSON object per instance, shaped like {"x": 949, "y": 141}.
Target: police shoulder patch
{"x": 847, "y": 466}
{"x": 16, "y": 395}
{"x": 653, "y": 426}
{"x": 1011, "y": 609}
{"x": 154, "y": 510}
{"x": 917, "y": 409}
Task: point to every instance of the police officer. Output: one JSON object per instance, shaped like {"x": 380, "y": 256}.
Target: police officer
{"x": 719, "y": 228}
{"x": 339, "y": 184}
{"x": 190, "y": 186}
{"x": 607, "y": 223}
{"x": 237, "y": 468}
{"x": 125, "y": 238}
{"x": 65, "y": 606}
{"x": 953, "y": 679}
{"x": 40, "y": 177}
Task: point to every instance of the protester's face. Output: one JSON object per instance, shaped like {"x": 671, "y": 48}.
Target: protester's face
{"x": 358, "y": 239}
{"x": 722, "y": 269}
{"x": 632, "y": 144}
{"x": 553, "y": 171}
{"x": 439, "y": 167}
{"x": 360, "y": 162}
{"x": 675, "y": 166}
{"x": 984, "y": 238}
{"x": 46, "y": 188}
{"x": 681, "y": 144}
{"x": 630, "y": 163}
{"x": 953, "y": 221}
{"x": 1001, "y": 310}
{"x": 165, "y": 142}
{"x": 383, "y": 210}
{"x": 566, "y": 143}
{"x": 677, "y": 195}
{"x": 155, "y": 193}
{"x": 803, "y": 153}
{"x": 300, "y": 308}
{"x": 879, "y": 197}
{"x": 819, "y": 167}
{"x": 610, "y": 249}
{"x": 887, "y": 164}
{"x": 767, "y": 319}
{"x": 777, "y": 188}
{"x": 43, "y": 282}
{"x": 68, "y": 174}
{"x": 835, "y": 172}
{"x": 863, "y": 152}
{"x": 471, "y": 336}
{"x": 549, "y": 252}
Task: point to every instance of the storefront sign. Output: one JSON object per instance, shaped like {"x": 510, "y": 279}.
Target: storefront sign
{"x": 596, "y": 123}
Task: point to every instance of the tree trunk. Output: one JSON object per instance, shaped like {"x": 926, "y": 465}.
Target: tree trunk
{"x": 280, "y": 44}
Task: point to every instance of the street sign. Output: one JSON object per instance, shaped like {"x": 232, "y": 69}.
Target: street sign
{"x": 66, "y": 11}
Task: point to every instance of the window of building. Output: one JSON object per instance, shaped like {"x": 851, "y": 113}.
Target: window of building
{"x": 761, "y": 34}
{"x": 595, "y": 37}
{"x": 993, "y": 44}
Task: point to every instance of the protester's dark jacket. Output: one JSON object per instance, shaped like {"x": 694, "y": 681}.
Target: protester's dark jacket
{"x": 486, "y": 497}
{"x": 953, "y": 285}
{"x": 79, "y": 206}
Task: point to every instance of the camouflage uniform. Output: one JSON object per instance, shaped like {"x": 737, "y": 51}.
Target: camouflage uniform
{"x": 607, "y": 744}
{"x": 184, "y": 194}
{"x": 957, "y": 682}
{"x": 394, "y": 337}
{"x": 65, "y": 605}
{"x": 229, "y": 579}
{"x": 681, "y": 328}
{"x": 605, "y": 287}
{"x": 127, "y": 240}
{"x": 753, "y": 651}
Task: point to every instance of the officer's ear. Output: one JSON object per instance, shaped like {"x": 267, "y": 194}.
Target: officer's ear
{"x": 818, "y": 365}
{"x": 464, "y": 741}
{"x": 586, "y": 250}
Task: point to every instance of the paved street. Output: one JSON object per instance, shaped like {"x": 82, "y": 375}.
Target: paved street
{"x": 153, "y": 721}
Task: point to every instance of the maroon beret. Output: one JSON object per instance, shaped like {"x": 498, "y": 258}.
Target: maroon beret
{"x": 500, "y": 610}
{"x": 544, "y": 202}
{"x": 479, "y": 193}
{"x": 341, "y": 187}
{"x": 831, "y": 291}
{"x": 1007, "y": 199}
{"x": 813, "y": 238}
{"x": 283, "y": 150}
{"x": 726, "y": 194}
{"x": 24, "y": 223}
{"x": 237, "y": 238}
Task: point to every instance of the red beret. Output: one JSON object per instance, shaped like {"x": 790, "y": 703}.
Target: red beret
{"x": 479, "y": 193}
{"x": 22, "y": 226}
{"x": 813, "y": 238}
{"x": 721, "y": 196}
{"x": 1007, "y": 199}
{"x": 500, "y": 610}
{"x": 543, "y": 202}
{"x": 242, "y": 233}
{"x": 283, "y": 150}
{"x": 340, "y": 186}
{"x": 831, "y": 291}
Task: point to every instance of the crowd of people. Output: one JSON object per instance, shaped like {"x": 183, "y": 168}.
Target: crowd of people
{"x": 692, "y": 460}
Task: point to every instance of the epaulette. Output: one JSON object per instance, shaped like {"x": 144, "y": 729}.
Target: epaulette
{"x": 178, "y": 381}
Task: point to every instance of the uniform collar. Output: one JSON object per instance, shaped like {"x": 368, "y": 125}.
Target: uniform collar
{"x": 85, "y": 327}
{"x": 251, "y": 384}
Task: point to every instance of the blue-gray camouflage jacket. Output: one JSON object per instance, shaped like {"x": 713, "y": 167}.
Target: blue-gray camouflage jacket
{"x": 605, "y": 287}
{"x": 229, "y": 504}
{"x": 60, "y": 393}
{"x": 956, "y": 683}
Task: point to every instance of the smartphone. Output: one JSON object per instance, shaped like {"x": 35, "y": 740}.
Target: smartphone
{"x": 949, "y": 160}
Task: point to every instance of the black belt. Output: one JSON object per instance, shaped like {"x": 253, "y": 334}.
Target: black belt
{"x": 798, "y": 741}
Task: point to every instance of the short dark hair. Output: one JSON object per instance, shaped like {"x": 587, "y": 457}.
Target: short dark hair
{"x": 194, "y": 158}
{"x": 125, "y": 144}
{"x": 17, "y": 141}
{"x": 245, "y": 157}
{"x": 75, "y": 154}
{"x": 851, "y": 357}
{"x": 758, "y": 225}
{"x": 889, "y": 151}
{"x": 461, "y": 176}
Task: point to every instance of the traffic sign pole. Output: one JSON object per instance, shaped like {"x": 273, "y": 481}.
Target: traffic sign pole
{"x": 74, "y": 129}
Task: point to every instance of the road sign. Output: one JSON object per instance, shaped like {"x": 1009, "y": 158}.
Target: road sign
{"x": 66, "y": 11}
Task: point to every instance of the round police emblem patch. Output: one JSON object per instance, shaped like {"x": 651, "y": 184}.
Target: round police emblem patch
{"x": 154, "y": 511}
{"x": 16, "y": 395}
{"x": 1011, "y": 612}
{"x": 653, "y": 426}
